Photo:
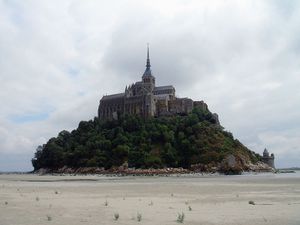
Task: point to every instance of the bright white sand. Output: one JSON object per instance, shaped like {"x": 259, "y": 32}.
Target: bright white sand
{"x": 73, "y": 200}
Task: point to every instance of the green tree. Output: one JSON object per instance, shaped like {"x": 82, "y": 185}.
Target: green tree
{"x": 120, "y": 154}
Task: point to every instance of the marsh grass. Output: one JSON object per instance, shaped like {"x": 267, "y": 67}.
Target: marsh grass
{"x": 180, "y": 217}
{"x": 116, "y": 216}
{"x": 190, "y": 208}
{"x": 49, "y": 218}
{"x": 139, "y": 217}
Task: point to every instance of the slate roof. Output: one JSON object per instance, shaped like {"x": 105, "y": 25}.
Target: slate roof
{"x": 163, "y": 88}
{"x": 115, "y": 96}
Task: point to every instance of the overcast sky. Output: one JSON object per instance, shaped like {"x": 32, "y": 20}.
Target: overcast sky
{"x": 58, "y": 58}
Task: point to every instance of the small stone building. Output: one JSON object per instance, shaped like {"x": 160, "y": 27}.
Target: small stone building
{"x": 268, "y": 159}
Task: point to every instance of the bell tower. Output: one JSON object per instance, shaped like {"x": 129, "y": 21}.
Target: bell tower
{"x": 147, "y": 78}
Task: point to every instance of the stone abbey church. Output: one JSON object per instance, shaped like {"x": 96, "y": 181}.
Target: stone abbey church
{"x": 146, "y": 99}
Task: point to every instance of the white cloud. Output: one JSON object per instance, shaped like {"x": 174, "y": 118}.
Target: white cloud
{"x": 58, "y": 59}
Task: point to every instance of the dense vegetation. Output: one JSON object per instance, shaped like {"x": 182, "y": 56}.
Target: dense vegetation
{"x": 177, "y": 141}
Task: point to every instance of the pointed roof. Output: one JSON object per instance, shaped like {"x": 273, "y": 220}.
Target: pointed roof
{"x": 148, "y": 69}
{"x": 266, "y": 153}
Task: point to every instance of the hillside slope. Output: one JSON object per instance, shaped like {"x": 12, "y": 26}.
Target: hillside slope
{"x": 195, "y": 142}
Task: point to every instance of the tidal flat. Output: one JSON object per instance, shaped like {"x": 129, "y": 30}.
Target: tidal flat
{"x": 28, "y": 199}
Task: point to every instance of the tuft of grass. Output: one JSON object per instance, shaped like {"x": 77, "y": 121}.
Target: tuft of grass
{"x": 251, "y": 202}
{"x": 180, "y": 217}
{"x": 6, "y": 203}
{"x": 49, "y": 218}
{"x": 56, "y": 192}
{"x": 116, "y": 216}
{"x": 190, "y": 208}
{"x": 37, "y": 199}
{"x": 106, "y": 203}
{"x": 139, "y": 217}
{"x": 172, "y": 194}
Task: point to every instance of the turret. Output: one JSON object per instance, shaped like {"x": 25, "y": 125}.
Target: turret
{"x": 266, "y": 153}
{"x": 268, "y": 159}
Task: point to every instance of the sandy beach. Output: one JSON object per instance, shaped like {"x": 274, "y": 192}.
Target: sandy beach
{"x": 74, "y": 200}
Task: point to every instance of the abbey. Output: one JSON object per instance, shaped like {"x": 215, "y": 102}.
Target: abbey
{"x": 146, "y": 99}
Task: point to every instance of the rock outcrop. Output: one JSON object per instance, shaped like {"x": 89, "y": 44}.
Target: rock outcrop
{"x": 231, "y": 165}
{"x": 238, "y": 164}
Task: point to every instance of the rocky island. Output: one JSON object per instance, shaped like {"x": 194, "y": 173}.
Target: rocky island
{"x": 148, "y": 130}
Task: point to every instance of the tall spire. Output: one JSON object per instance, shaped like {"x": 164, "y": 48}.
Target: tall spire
{"x": 148, "y": 70}
{"x": 148, "y": 58}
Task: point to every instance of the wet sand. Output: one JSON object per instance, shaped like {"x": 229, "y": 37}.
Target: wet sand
{"x": 74, "y": 200}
